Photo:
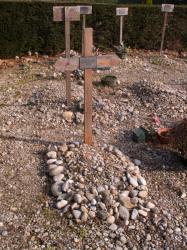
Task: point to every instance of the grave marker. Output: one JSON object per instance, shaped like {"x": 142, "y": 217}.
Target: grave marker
{"x": 166, "y": 8}
{"x": 69, "y": 14}
{"x": 121, "y": 12}
{"x": 87, "y": 63}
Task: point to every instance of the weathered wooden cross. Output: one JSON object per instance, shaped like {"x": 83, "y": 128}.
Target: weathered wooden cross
{"x": 166, "y": 8}
{"x": 68, "y": 14}
{"x": 121, "y": 12}
{"x": 87, "y": 63}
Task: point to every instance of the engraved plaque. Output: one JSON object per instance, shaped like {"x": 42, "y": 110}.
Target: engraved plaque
{"x": 85, "y": 10}
{"x": 121, "y": 11}
{"x": 167, "y": 7}
{"x": 72, "y": 13}
{"x": 89, "y": 62}
{"x": 58, "y": 13}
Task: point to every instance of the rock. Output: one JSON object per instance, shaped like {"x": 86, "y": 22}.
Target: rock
{"x": 113, "y": 227}
{"x": 142, "y": 212}
{"x": 68, "y": 115}
{"x": 118, "y": 152}
{"x": 141, "y": 181}
{"x": 84, "y": 217}
{"x": 143, "y": 194}
{"x": 79, "y": 117}
{"x": 52, "y": 154}
{"x": 132, "y": 181}
{"x": 133, "y": 193}
{"x": 4, "y": 233}
{"x": 58, "y": 178}
{"x": 56, "y": 189}
{"x": 51, "y": 161}
{"x": 89, "y": 196}
{"x": 134, "y": 214}
{"x": 56, "y": 171}
{"x": 77, "y": 214}
{"x": 69, "y": 154}
{"x": 111, "y": 219}
{"x": 63, "y": 148}
{"x": 123, "y": 239}
{"x": 150, "y": 205}
{"x": 51, "y": 167}
{"x": 126, "y": 202}
{"x": 61, "y": 204}
{"x": 100, "y": 189}
{"x": 102, "y": 214}
{"x": 92, "y": 214}
{"x": 78, "y": 198}
{"x": 93, "y": 202}
{"x": 124, "y": 213}
{"x": 65, "y": 186}
{"x": 137, "y": 162}
{"x": 183, "y": 195}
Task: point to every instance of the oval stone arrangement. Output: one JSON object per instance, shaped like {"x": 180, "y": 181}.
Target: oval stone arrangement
{"x": 102, "y": 184}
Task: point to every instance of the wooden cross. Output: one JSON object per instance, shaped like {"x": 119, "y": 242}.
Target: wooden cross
{"x": 87, "y": 63}
{"x": 166, "y": 8}
{"x": 121, "y": 12}
{"x": 68, "y": 14}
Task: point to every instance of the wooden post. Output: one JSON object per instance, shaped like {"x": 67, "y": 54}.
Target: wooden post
{"x": 163, "y": 32}
{"x": 67, "y": 48}
{"x": 121, "y": 30}
{"x": 88, "y": 74}
{"x": 83, "y": 27}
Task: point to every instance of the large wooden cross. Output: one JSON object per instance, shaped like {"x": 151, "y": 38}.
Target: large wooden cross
{"x": 69, "y": 14}
{"x": 166, "y": 8}
{"x": 87, "y": 63}
{"x": 121, "y": 12}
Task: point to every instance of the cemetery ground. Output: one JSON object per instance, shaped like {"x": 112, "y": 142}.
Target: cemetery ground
{"x": 33, "y": 116}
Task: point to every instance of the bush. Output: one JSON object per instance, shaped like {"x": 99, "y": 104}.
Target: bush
{"x": 28, "y": 26}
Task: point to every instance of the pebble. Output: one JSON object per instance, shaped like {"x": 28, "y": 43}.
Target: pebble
{"x": 56, "y": 189}
{"x": 4, "y": 233}
{"x": 78, "y": 198}
{"x": 52, "y": 154}
{"x": 111, "y": 219}
{"x": 141, "y": 181}
{"x": 123, "y": 239}
{"x": 58, "y": 178}
{"x": 143, "y": 194}
{"x": 56, "y": 171}
{"x": 61, "y": 204}
{"x": 134, "y": 214}
{"x": 76, "y": 214}
{"x": 113, "y": 227}
{"x": 150, "y": 205}
{"x": 137, "y": 162}
{"x": 51, "y": 161}
{"x": 124, "y": 213}
{"x": 68, "y": 115}
{"x": 133, "y": 181}
{"x": 142, "y": 212}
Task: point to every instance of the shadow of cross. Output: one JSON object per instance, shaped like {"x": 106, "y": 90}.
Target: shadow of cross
{"x": 87, "y": 63}
{"x": 69, "y": 14}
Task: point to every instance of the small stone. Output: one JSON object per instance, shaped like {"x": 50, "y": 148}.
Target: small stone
{"x": 51, "y": 167}
{"x": 137, "y": 162}
{"x": 56, "y": 171}
{"x": 63, "y": 148}
{"x": 126, "y": 202}
{"x": 141, "y": 181}
{"x": 94, "y": 202}
{"x": 76, "y": 214}
{"x": 84, "y": 217}
{"x": 69, "y": 154}
{"x": 89, "y": 196}
{"x": 123, "y": 239}
{"x": 134, "y": 214}
{"x": 68, "y": 115}
{"x": 78, "y": 198}
{"x": 143, "y": 194}
{"x": 150, "y": 205}
{"x": 4, "y": 233}
{"x": 58, "y": 178}
{"x": 51, "y": 161}
{"x": 183, "y": 195}
{"x": 92, "y": 214}
{"x": 133, "y": 181}
{"x": 61, "y": 204}
{"x": 52, "y": 154}
{"x": 111, "y": 219}
{"x": 148, "y": 237}
{"x": 56, "y": 189}
{"x": 124, "y": 213}
{"x": 100, "y": 189}
{"x": 113, "y": 227}
{"x": 65, "y": 186}
{"x": 142, "y": 212}
{"x": 118, "y": 152}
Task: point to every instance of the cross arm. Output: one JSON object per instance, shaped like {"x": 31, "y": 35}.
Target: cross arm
{"x": 89, "y": 62}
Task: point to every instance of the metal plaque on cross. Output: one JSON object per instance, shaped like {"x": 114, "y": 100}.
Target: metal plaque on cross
{"x": 87, "y": 63}
{"x": 167, "y": 7}
{"x": 121, "y": 11}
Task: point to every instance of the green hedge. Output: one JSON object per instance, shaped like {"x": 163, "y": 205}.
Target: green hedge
{"x": 29, "y": 26}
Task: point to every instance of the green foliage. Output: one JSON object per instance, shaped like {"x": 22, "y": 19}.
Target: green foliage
{"x": 29, "y": 26}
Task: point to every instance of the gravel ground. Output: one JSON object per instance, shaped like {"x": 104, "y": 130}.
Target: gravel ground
{"x": 33, "y": 116}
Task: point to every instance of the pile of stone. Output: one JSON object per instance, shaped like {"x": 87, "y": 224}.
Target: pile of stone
{"x": 90, "y": 184}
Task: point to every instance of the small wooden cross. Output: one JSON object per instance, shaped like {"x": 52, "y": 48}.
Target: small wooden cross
{"x": 121, "y": 12}
{"x": 166, "y": 8}
{"x": 68, "y": 14}
{"x": 87, "y": 63}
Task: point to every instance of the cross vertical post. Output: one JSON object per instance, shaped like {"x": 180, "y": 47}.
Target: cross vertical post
{"x": 121, "y": 30}
{"x": 88, "y": 74}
